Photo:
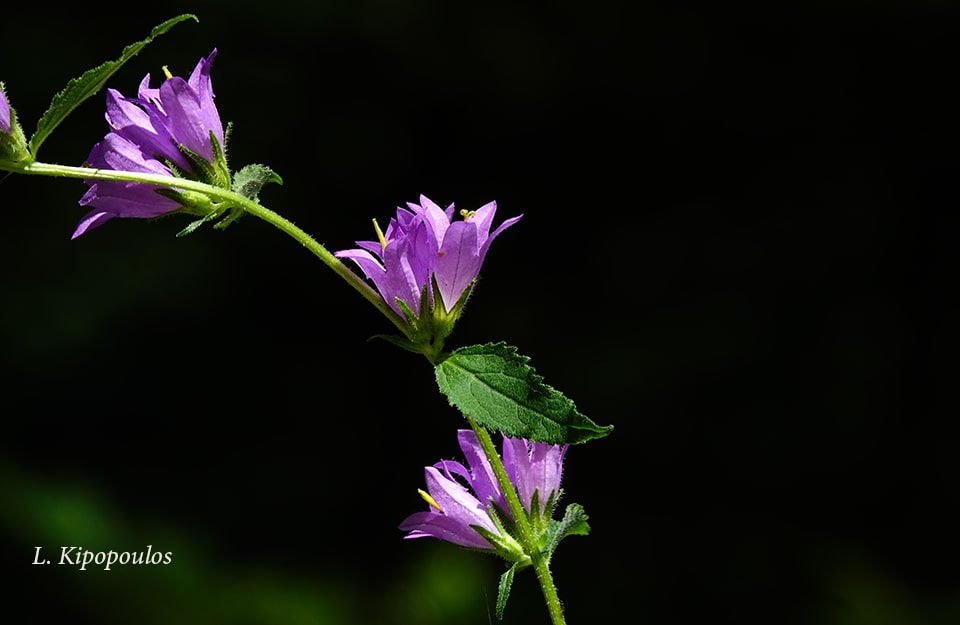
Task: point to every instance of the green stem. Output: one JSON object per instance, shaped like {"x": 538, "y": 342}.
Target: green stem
{"x": 231, "y": 198}
{"x": 542, "y": 568}
{"x": 527, "y": 539}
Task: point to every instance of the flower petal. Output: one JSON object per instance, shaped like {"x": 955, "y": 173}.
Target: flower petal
{"x": 485, "y": 245}
{"x": 533, "y": 467}
{"x": 91, "y": 220}
{"x": 400, "y": 280}
{"x": 433, "y": 216}
{"x": 118, "y": 152}
{"x": 372, "y": 268}
{"x": 129, "y": 120}
{"x": 458, "y": 511}
{"x": 436, "y": 525}
{"x": 455, "y": 500}
{"x": 458, "y": 261}
{"x": 482, "y": 479}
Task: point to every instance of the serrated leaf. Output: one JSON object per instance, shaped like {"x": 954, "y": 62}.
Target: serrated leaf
{"x": 249, "y": 180}
{"x": 503, "y": 591}
{"x": 79, "y": 89}
{"x": 498, "y": 389}
{"x": 573, "y": 523}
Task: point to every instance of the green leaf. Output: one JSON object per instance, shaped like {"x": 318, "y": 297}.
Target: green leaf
{"x": 498, "y": 389}
{"x": 79, "y": 89}
{"x": 249, "y": 180}
{"x": 573, "y": 523}
{"x": 503, "y": 592}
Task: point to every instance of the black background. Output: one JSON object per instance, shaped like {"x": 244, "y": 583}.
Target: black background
{"x": 734, "y": 249}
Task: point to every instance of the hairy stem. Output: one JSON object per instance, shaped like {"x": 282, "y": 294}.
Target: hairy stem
{"x": 232, "y": 198}
{"x": 527, "y": 538}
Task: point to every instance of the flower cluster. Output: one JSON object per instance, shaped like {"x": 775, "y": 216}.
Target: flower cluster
{"x": 467, "y": 506}
{"x": 173, "y": 130}
{"x": 428, "y": 259}
{"x": 424, "y": 241}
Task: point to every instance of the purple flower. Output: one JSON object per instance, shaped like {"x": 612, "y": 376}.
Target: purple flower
{"x": 122, "y": 199}
{"x": 172, "y": 130}
{"x": 460, "y": 497}
{"x": 534, "y": 467}
{"x": 424, "y": 242}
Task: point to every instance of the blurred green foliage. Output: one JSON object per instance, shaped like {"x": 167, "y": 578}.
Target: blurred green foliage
{"x": 437, "y": 585}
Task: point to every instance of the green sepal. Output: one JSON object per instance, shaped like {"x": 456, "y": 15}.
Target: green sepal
{"x": 418, "y": 341}
{"x": 497, "y": 388}
{"x": 538, "y": 521}
{"x": 233, "y": 214}
{"x": 429, "y": 329}
{"x": 542, "y": 522}
{"x": 408, "y": 314}
{"x": 90, "y": 82}
{"x": 193, "y": 202}
{"x": 425, "y": 298}
{"x": 14, "y": 152}
{"x": 503, "y": 590}
{"x": 457, "y": 309}
{"x": 251, "y": 179}
{"x": 504, "y": 545}
{"x": 400, "y": 341}
{"x": 216, "y": 173}
{"x": 193, "y": 225}
{"x": 222, "y": 171}
{"x": 443, "y": 320}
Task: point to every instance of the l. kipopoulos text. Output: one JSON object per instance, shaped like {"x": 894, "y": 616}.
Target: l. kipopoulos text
{"x": 83, "y": 559}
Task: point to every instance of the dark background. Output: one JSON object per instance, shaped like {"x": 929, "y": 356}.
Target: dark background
{"x": 734, "y": 250}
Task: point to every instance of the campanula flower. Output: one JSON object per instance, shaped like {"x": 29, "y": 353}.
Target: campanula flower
{"x": 425, "y": 265}
{"x": 467, "y": 506}
{"x": 425, "y": 242}
{"x": 172, "y": 130}
{"x": 122, "y": 199}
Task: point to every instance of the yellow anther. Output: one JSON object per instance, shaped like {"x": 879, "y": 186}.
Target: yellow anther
{"x": 467, "y": 214}
{"x": 426, "y": 497}
{"x": 383, "y": 241}
{"x": 166, "y": 72}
